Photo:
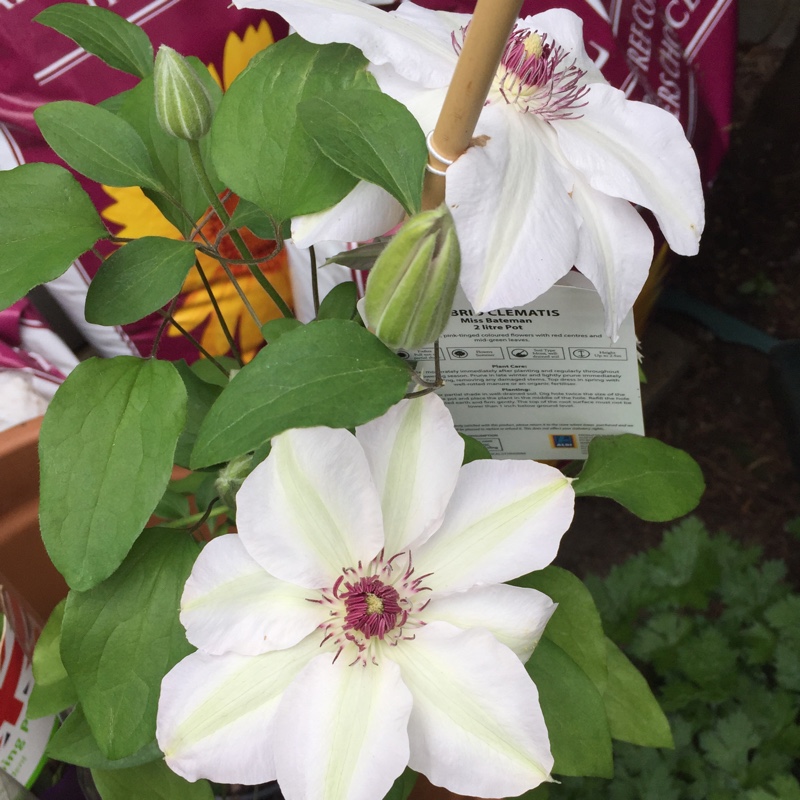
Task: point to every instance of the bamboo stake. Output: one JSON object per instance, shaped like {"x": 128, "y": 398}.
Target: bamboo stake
{"x": 483, "y": 47}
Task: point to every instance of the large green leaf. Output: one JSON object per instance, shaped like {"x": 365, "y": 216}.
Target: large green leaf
{"x": 403, "y": 786}
{"x": 260, "y": 151}
{"x": 170, "y": 156}
{"x": 106, "y": 450}
{"x": 634, "y": 714}
{"x": 201, "y": 396}
{"x": 121, "y": 44}
{"x": 120, "y": 638}
{"x": 651, "y": 479}
{"x": 573, "y": 710}
{"x": 53, "y": 690}
{"x": 575, "y": 626}
{"x": 373, "y": 137}
{"x": 74, "y": 743}
{"x": 332, "y": 372}
{"x": 97, "y": 143}
{"x": 153, "y": 781}
{"x": 340, "y": 302}
{"x": 46, "y": 222}
{"x": 138, "y": 279}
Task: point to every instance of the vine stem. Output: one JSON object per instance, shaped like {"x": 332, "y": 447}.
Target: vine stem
{"x": 218, "y": 311}
{"x": 193, "y": 518}
{"x": 236, "y": 237}
{"x": 194, "y": 341}
{"x": 314, "y": 280}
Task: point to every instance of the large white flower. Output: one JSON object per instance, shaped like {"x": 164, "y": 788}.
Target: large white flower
{"x": 358, "y": 622}
{"x": 552, "y": 186}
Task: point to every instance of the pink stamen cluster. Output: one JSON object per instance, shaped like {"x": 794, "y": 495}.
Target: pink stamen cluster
{"x": 373, "y": 603}
{"x": 535, "y": 79}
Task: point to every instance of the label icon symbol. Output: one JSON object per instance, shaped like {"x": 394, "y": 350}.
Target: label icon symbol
{"x": 519, "y": 353}
{"x": 459, "y": 353}
{"x": 580, "y": 354}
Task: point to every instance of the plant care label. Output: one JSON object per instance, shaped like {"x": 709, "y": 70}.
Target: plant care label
{"x": 22, "y": 740}
{"x": 539, "y": 381}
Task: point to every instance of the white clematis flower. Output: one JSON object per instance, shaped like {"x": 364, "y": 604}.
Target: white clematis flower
{"x": 358, "y": 623}
{"x": 552, "y": 186}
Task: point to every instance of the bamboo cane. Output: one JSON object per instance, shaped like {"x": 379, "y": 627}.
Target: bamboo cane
{"x": 483, "y": 47}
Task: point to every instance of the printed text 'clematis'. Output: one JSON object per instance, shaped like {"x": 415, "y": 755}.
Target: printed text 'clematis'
{"x": 358, "y": 622}
{"x": 563, "y": 155}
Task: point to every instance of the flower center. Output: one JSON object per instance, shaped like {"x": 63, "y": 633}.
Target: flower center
{"x": 533, "y": 77}
{"x": 373, "y": 605}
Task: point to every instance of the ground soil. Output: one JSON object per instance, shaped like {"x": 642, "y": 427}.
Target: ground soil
{"x": 717, "y": 405}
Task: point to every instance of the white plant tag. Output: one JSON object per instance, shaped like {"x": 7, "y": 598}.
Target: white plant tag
{"x": 541, "y": 380}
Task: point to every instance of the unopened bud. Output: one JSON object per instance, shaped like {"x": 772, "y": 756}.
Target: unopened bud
{"x": 183, "y": 105}
{"x": 231, "y": 477}
{"x": 411, "y": 287}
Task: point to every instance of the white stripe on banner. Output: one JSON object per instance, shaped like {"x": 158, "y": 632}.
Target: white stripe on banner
{"x": 705, "y": 30}
{"x": 10, "y": 154}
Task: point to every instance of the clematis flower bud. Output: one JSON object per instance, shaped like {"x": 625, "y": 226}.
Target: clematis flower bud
{"x": 411, "y": 287}
{"x": 183, "y": 105}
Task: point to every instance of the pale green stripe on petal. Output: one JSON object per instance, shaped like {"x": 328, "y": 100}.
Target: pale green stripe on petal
{"x": 415, "y": 454}
{"x": 476, "y": 727}
{"x": 216, "y": 713}
{"x": 343, "y": 731}
{"x": 505, "y": 519}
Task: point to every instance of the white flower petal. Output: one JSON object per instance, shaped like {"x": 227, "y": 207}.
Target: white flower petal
{"x": 565, "y": 28}
{"x": 422, "y": 54}
{"x": 516, "y": 617}
{"x": 231, "y": 605}
{"x": 343, "y": 731}
{"x": 639, "y": 152}
{"x": 415, "y": 455}
{"x": 476, "y": 727}
{"x": 368, "y": 211}
{"x": 216, "y": 714}
{"x": 615, "y": 253}
{"x": 310, "y": 508}
{"x": 515, "y": 221}
{"x": 505, "y": 519}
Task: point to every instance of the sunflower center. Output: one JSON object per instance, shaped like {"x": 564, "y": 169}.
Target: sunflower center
{"x": 535, "y": 76}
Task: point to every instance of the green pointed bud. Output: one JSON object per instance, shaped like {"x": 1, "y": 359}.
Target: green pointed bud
{"x": 411, "y": 287}
{"x": 183, "y": 105}
{"x": 231, "y": 477}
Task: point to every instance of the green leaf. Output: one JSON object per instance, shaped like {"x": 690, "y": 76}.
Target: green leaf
{"x": 574, "y": 712}
{"x": 97, "y": 143}
{"x": 651, "y": 479}
{"x": 53, "y": 690}
{"x": 362, "y": 257}
{"x": 139, "y": 278}
{"x": 260, "y": 151}
{"x": 403, "y": 786}
{"x": 473, "y": 449}
{"x": 575, "y": 626}
{"x": 247, "y": 215}
{"x": 331, "y": 372}
{"x": 172, "y": 505}
{"x": 74, "y": 743}
{"x": 373, "y": 137}
{"x": 275, "y": 328}
{"x": 340, "y": 302}
{"x": 170, "y": 156}
{"x": 634, "y": 714}
{"x": 120, "y": 638}
{"x": 121, "y": 44}
{"x": 153, "y": 781}
{"x": 208, "y": 372}
{"x": 46, "y": 222}
{"x": 201, "y": 396}
{"x": 106, "y": 450}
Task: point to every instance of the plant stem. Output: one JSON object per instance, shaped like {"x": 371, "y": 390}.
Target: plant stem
{"x": 162, "y": 327}
{"x": 193, "y": 518}
{"x": 194, "y": 342}
{"x": 314, "y": 281}
{"x": 218, "y": 311}
{"x": 236, "y": 237}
